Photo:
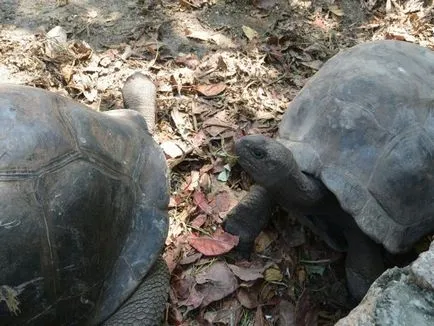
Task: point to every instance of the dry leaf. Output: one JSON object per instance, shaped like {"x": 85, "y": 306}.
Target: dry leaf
{"x": 286, "y": 314}
{"x": 273, "y": 274}
{"x": 194, "y": 181}
{"x": 259, "y": 317}
{"x": 229, "y": 313}
{"x": 263, "y": 241}
{"x": 248, "y": 298}
{"x": 172, "y": 148}
{"x": 306, "y": 311}
{"x": 265, "y": 4}
{"x": 81, "y": 50}
{"x": 250, "y": 32}
{"x": 247, "y": 273}
{"x": 221, "y": 202}
{"x": 336, "y": 10}
{"x": 216, "y": 282}
{"x": 199, "y": 35}
{"x": 195, "y": 299}
{"x": 315, "y": 64}
{"x": 198, "y": 221}
{"x": 190, "y": 61}
{"x": 171, "y": 257}
{"x": 200, "y": 200}
{"x": 211, "y": 89}
{"x": 217, "y": 125}
{"x": 191, "y": 259}
{"x": 218, "y": 244}
{"x": 301, "y": 275}
{"x": 183, "y": 285}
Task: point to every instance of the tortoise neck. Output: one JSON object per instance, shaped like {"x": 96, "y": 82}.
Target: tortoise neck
{"x": 298, "y": 188}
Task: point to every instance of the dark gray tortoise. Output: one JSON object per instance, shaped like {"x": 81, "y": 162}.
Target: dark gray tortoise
{"x": 83, "y": 210}
{"x": 354, "y": 158}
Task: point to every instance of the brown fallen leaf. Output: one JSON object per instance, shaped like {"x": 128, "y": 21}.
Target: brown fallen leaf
{"x": 248, "y": 298}
{"x": 263, "y": 241}
{"x": 200, "y": 200}
{"x": 194, "y": 299}
{"x": 182, "y": 285}
{"x": 218, "y": 124}
{"x": 218, "y": 244}
{"x": 171, "y": 257}
{"x": 216, "y": 282}
{"x": 286, "y": 314}
{"x": 198, "y": 221}
{"x": 221, "y": 202}
{"x": 315, "y": 64}
{"x": 190, "y": 259}
{"x": 259, "y": 317}
{"x": 247, "y": 273}
{"x": 265, "y": 4}
{"x": 211, "y": 89}
{"x": 190, "y": 60}
{"x": 230, "y": 313}
{"x": 306, "y": 310}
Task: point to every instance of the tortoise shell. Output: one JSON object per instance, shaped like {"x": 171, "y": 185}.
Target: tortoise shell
{"x": 364, "y": 125}
{"x": 82, "y": 211}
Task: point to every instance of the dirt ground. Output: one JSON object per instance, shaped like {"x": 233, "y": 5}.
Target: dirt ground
{"x": 223, "y": 69}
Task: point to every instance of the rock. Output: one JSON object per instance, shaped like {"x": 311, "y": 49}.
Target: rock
{"x": 400, "y": 296}
{"x": 423, "y": 269}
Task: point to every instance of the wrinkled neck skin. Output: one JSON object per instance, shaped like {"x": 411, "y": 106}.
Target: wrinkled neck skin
{"x": 298, "y": 189}
{"x": 302, "y": 194}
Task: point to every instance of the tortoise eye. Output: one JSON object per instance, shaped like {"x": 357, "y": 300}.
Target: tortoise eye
{"x": 258, "y": 153}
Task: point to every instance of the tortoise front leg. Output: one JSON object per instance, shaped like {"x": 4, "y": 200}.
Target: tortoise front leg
{"x": 147, "y": 304}
{"x": 249, "y": 217}
{"x": 364, "y": 262}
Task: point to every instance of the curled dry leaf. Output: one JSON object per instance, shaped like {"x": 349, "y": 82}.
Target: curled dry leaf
{"x": 218, "y": 244}
{"x": 211, "y": 89}
{"x": 264, "y": 240}
{"x": 273, "y": 274}
{"x": 216, "y": 282}
{"x": 81, "y": 49}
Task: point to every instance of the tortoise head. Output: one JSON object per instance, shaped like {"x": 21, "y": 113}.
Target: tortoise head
{"x": 266, "y": 160}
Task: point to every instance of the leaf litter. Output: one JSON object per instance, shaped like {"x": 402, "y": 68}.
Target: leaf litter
{"x": 223, "y": 70}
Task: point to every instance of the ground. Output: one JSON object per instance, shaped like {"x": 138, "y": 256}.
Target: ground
{"x": 223, "y": 69}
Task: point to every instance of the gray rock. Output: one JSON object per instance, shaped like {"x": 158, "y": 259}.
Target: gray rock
{"x": 400, "y": 296}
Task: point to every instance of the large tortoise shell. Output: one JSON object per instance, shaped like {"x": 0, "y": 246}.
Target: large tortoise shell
{"x": 364, "y": 125}
{"x": 75, "y": 185}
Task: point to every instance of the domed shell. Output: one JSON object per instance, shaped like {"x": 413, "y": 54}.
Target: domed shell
{"x": 364, "y": 125}
{"x": 83, "y": 199}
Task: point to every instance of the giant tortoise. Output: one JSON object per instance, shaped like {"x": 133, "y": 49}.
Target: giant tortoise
{"x": 354, "y": 158}
{"x": 83, "y": 210}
